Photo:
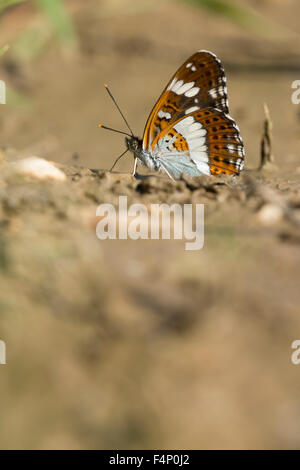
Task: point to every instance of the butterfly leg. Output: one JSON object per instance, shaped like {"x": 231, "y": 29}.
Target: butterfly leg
{"x": 167, "y": 172}
{"x": 134, "y": 167}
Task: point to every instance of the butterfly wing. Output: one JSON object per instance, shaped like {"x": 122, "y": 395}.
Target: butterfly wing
{"x": 205, "y": 142}
{"x": 199, "y": 83}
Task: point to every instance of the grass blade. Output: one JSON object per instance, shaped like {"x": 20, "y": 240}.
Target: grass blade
{"x": 58, "y": 16}
{"x": 8, "y": 3}
{"x": 3, "y": 49}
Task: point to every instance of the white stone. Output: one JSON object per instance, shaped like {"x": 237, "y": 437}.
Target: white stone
{"x": 270, "y": 214}
{"x": 39, "y": 168}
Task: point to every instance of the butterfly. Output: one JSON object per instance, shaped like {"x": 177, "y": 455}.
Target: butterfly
{"x": 189, "y": 130}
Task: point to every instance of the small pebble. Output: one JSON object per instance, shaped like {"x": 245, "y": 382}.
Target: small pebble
{"x": 270, "y": 214}
{"x": 39, "y": 168}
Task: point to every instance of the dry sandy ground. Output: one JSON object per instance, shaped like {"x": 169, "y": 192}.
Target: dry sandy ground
{"x": 142, "y": 344}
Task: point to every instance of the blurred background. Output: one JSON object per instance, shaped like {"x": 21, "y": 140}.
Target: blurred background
{"x": 124, "y": 344}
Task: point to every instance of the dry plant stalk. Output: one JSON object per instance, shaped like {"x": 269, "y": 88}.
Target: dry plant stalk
{"x": 266, "y": 155}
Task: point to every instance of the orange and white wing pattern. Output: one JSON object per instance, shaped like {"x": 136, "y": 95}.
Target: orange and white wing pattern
{"x": 205, "y": 142}
{"x": 199, "y": 83}
{"x": 209, "y": 137}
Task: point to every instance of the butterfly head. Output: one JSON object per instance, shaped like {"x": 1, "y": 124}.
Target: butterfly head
{"x": 134, "y": 144}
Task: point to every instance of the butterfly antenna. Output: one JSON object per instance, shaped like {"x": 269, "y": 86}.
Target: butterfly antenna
{"x": 118, "y": 159}
{"x": 118, "y": 107}
{"x": 114, "y": 130}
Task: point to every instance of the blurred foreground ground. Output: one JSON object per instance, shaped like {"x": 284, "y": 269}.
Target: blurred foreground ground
{"x": 141, "y": 344}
